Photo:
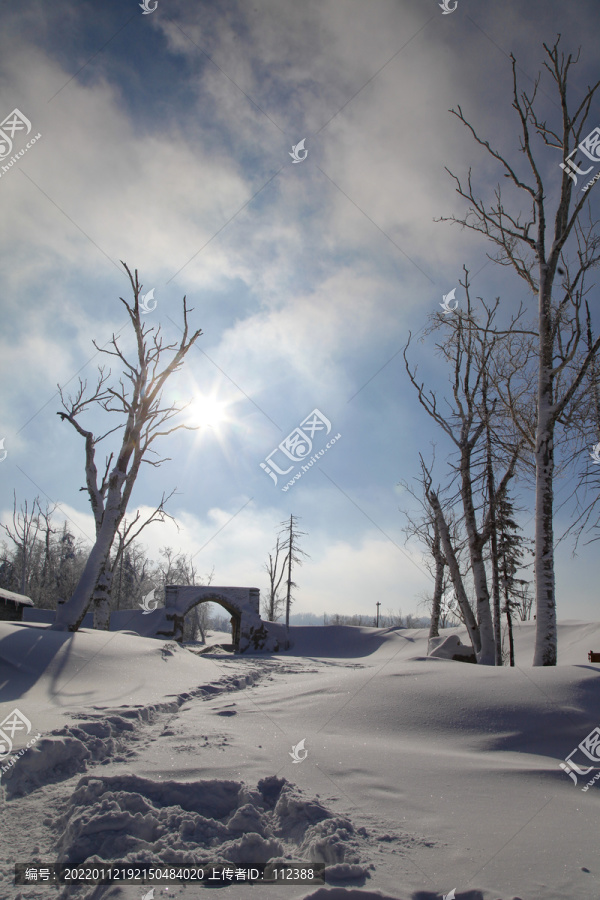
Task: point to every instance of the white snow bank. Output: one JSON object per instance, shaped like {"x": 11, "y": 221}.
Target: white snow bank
{"x": 50, "y": 674}
{"x": 345, "y": 641}
{"x": 575, "y": 640}
{"x": 449, "y": 648}
{"x": 106, "y": 736}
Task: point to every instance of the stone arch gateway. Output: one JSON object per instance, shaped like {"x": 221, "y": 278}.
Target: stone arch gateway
{"x": 249, "y": 632}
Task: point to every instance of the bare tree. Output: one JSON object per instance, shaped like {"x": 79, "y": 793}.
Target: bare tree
{"x": 294, "y": 554}
{"x": 563, "y": 360}
{"x": 44, "y": 560}
{"x": 23, "y": 534}
{"x": 273, "y": 603}
{"x": 426, "y": 528}
{"x": 492, "y": 500}
{"x": 452, "y": 562}
{"x": 47, "y": 575}
{"x": 127, "y": 534}
{"x": 438, "y": 588}
{"x": 468, "y": 348}
{"x": 140, "y": 404}
{"x": 586, "y": 423}
{"x": 131, "y": 576}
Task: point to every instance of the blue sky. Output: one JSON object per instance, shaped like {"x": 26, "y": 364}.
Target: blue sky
{"x": 165, "y": 143}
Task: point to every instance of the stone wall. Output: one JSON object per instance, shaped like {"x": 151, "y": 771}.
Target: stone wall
{"x": 249, "y": 632}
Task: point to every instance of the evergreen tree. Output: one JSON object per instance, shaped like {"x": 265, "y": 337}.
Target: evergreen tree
{"x": 512, "y": 546}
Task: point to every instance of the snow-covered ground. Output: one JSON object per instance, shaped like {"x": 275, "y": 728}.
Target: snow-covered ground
{"x": 420, "y": 775}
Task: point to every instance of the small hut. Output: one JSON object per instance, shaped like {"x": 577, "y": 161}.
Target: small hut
{"x": 11, "y": 606}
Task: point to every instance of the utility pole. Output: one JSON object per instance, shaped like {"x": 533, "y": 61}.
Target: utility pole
{"x": 378, "y": 604}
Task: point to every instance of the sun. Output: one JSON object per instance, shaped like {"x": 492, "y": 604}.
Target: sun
{"x": 206, "y": 412}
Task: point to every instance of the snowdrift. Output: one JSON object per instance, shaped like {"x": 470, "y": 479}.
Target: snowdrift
{"x": 418, "y": 774}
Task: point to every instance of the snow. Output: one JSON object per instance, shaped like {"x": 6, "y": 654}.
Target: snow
{"x": 422, "y": 774}
{"x": 449, "y": 647}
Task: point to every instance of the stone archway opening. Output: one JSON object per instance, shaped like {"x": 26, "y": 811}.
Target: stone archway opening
{"x": 235, "y": 619}
{"x": 250, "y": 634}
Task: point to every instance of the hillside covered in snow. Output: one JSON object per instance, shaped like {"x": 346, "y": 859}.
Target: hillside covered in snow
{"x": 415, "y": 775}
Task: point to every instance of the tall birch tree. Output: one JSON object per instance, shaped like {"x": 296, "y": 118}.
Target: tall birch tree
{"x": 535, "y": 247}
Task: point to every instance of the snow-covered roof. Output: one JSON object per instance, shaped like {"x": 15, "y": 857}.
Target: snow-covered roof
{"x": 15, "y": 598}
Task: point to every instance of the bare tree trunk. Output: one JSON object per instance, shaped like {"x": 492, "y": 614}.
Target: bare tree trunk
{"x": 201, "y": 620}
{"x": 101, "y": 600}
{"x": 487, "y": 654}
{"x": 455, "y": 575}
{"x": 496, "y": 597}
{"x": 289, "y": 581}
{"x": 70, "y": 616}
{"x": 294, "y": 555}
{"x": 511, "y": 642}
{"x": 493, "y": 533}
{"x": 273, "y": 601}
{"x": 440, "y": 565}
{"x": 545, "y": 653}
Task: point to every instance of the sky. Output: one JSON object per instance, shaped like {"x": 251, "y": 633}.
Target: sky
{"x": 167, "y": 141}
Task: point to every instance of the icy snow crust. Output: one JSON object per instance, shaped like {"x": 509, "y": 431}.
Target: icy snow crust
{"x": 422, "y": 774}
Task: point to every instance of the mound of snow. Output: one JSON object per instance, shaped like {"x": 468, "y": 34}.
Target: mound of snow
{"x": 136, "y": 820}
{"x": 451, "y": 648}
